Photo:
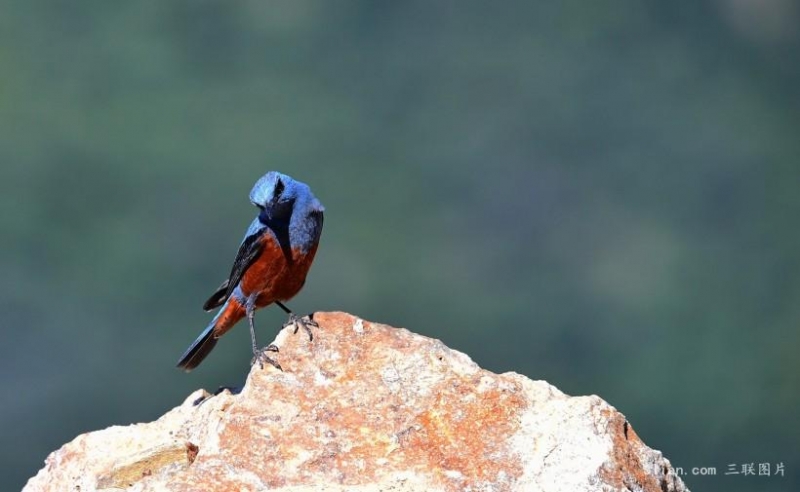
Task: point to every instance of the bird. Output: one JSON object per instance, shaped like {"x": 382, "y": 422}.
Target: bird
{"x": 270, "y": 267}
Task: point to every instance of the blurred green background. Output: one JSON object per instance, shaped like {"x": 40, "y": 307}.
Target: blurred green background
{"x": 601, "y": 195}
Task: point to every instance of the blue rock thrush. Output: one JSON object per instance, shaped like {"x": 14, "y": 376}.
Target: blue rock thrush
{"x": 270, "y": 267}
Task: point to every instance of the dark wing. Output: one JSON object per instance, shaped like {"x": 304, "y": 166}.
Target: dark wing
{"x": 248, "y": 252}
{"x": 217, "y": 299}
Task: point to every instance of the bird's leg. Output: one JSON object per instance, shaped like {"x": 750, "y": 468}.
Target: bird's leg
{"x": 259, "y": 356}
{"x": 305, "y": 321}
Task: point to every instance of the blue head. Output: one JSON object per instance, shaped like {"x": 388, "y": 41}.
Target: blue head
{"x": 285, "y": 202}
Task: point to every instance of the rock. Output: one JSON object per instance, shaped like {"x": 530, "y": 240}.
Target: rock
{"x": 367, "y": 407}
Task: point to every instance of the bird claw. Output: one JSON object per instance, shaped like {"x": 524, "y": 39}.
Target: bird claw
{"x": 302, "y": 321}
{"x": 261, "y": 357}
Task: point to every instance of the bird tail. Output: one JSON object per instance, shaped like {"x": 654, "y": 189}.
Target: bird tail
{"x": 199, "y": 349}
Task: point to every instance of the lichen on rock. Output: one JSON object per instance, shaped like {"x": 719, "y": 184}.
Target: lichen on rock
{"x": 368, "y": 407}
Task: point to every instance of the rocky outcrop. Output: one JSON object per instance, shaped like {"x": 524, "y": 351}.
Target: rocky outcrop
{"x": 368, "y": 407}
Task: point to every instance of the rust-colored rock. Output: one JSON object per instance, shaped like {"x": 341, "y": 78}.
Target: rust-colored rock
{"x": 367, "y": 407}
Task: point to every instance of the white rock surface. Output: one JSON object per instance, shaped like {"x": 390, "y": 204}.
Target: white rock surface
{"x": 367, "y": 407}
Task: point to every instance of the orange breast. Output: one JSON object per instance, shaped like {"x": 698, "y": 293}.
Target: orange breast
{"x": 275, "y": 277}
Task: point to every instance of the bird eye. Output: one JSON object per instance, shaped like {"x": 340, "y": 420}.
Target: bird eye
{"x": 279, "y": 186}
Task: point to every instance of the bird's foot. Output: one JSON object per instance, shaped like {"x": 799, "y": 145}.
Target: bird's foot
{"x": 260, "y": 357}
{"x": 306, "y": 322}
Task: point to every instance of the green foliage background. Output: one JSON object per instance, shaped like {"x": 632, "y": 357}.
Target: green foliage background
{"x": 602, "y": 195}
